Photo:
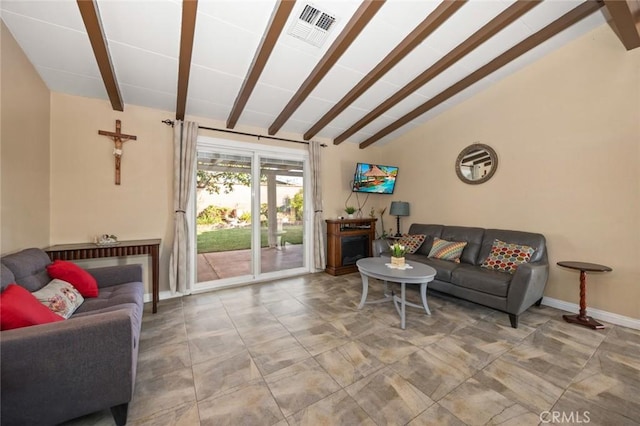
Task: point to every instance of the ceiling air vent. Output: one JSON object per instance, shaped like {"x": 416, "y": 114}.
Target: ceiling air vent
{"x": 313, "y": 25}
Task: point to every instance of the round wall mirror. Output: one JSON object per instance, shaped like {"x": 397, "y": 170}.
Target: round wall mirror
{"x": 476, "y": 164}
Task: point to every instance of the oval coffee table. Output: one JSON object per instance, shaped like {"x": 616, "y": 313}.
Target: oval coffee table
{"x": 375, "y": 267}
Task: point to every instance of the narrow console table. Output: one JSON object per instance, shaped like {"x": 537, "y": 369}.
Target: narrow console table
{"x": 84, "y": 251}
{"x": 584, "y": 267}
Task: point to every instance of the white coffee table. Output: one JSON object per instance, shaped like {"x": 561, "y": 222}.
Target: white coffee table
{"x": 376, "y": 267}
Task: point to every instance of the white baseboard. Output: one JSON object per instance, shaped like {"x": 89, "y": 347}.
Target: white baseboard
{"x": 595, "y": 313}
{"x": 163, "y": 295}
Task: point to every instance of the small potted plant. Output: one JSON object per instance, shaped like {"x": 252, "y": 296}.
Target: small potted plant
{"x": 397, "y": 254}
{"x": 350, "y": 211}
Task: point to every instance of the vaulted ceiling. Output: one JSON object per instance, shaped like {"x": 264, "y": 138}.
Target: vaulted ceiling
{"x": 348, "y": 70}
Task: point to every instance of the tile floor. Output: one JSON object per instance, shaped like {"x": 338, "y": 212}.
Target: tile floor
{"x": 299, "y": 352}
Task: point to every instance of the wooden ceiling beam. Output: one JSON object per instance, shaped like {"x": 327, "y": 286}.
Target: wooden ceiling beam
{"x": 626, "y": 18}
{"x": 498, "y": 23}
{"x": 432, "y": 22}
{"x": 187, "y": 31}
{"x": 577, "y": 14}
{"x": 91, "y": 18}
{"x": 274, "y": 28}
{"x": 356, "y": 24}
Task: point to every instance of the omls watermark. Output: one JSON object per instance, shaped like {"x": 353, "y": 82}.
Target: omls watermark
{"x": 572, "y": 417}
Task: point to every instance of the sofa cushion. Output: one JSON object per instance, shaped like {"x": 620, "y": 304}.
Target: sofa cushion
{"x": 411, "y": 242}
{"x": 447, "y": 250}
{"x": 443, "y": 268}
{"x": 473, "y": 237}
{"x": 430, "y": 231}
{"x": 75, "y": 275}
{"x": 19, "y": 308}
{"x": 113, "y": 296}
{"x": 6, "y": 276}
{"x": 29, "y": 268}
{"x": 128, "y": 296}
{"x": 60, "y": 297}
{"x": 481, "y": 279}
{"x": 536, "y": 241}
{"x": 506, "y": 257}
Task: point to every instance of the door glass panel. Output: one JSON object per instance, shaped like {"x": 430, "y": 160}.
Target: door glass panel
{"x": 223, "y": 216}
{"x": 281, "y": 214}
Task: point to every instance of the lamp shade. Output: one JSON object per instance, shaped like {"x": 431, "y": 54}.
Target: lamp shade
{"x": 399, "y": 208}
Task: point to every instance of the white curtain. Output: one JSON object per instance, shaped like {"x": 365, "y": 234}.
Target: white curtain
{"x": 316, "y": 191}
{"x": 185, "y": 135}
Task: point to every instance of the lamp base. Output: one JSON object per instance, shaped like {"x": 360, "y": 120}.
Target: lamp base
{"x": 398, "y": 234}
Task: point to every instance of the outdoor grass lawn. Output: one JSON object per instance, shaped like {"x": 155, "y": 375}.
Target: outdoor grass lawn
{"x": 240, "y": 238}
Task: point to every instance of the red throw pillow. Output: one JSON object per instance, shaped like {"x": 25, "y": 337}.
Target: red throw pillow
{"x": 19, "y": 308}
{"x": 74, "y": 275}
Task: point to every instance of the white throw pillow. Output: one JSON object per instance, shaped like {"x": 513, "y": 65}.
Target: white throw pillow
{"x": 61, "y": 297}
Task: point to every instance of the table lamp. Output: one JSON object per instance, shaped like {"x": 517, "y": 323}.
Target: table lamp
{"x": 399, "y": 208}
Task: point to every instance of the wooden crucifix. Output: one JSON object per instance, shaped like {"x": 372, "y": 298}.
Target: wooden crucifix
{"x": 118, "y": 139}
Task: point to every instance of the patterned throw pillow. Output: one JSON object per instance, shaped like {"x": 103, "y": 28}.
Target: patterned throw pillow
{"x": 59, "y": 296}
{"x": 412, "y": 242}
{"x": 505, "y": 257}
{"x": 447, "y": 250}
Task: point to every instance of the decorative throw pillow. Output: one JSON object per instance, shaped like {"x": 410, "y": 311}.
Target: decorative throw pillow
{"x": 74, "y": 275}
{"x": 19, "y": 308}
{"x": 447, "y": 250}
{"x": 506, "y": 257}
{"x": 59, "y": 296}
{"x": 411, "y": 242}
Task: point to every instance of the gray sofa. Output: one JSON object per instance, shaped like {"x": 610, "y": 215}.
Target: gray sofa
{"x": 55, "y": 372}
{"x": 508, "y": 293}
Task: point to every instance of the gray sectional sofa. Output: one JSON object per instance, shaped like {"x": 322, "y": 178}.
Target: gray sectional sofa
{"x": 510, "y": 293}
{"x": 55, "y": 372}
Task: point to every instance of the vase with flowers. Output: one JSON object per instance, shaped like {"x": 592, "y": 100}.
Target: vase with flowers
{"x": 397, "y": 254}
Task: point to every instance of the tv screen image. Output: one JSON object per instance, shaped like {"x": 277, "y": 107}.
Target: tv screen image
{"x": 375, "y": 178}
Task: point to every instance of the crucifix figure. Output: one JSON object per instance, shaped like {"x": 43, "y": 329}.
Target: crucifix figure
{"x": 118, "y": 139}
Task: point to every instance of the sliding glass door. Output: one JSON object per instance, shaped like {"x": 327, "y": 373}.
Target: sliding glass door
{"x": 249, "y": 209}
{"x": 223, "y": 216}
{"x": 282, "y": 207}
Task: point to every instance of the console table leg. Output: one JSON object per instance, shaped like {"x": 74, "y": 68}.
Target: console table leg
{"x": 155, "y": 279}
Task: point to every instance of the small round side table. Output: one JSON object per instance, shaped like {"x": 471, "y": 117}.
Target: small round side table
{"x": 584, "y": 267}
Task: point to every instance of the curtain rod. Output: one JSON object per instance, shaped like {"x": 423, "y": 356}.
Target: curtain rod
{"x": 170, "y": 123}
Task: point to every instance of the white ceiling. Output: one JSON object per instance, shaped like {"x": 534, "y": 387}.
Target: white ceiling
{"x": 144, "y": 43}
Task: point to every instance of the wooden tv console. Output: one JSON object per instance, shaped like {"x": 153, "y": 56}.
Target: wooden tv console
{"x": 347, "y": 241}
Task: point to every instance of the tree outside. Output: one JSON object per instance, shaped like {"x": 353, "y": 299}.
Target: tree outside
{"x": 224, "y": 211}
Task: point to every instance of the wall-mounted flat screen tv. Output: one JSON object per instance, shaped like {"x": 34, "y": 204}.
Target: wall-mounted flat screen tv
{"x": 375, "y": 178}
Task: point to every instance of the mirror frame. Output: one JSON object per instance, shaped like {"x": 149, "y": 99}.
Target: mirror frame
{"x": 476, "y": 147}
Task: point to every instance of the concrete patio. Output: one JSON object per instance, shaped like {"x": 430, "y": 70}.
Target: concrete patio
{"x": 215, "y": 266}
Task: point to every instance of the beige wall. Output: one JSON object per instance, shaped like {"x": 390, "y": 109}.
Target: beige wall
{"x": 24, "y": 152}
{"x": 338, "y": 167}
{"x": 86, "y": 202}
{"x": 567, "y": 133}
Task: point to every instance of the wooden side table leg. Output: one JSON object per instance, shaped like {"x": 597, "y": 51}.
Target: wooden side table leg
{"x": 583, "y": 295}
{"x": 582, "y": 317}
